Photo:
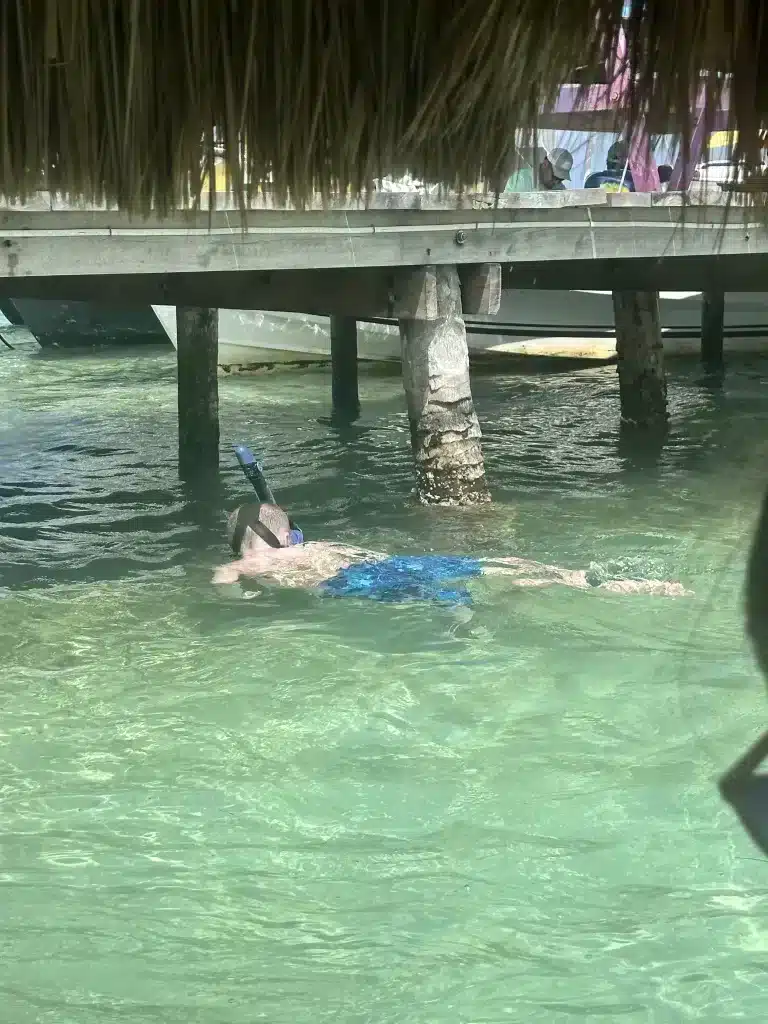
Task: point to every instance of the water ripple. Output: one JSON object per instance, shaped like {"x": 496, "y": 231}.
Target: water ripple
{"x": 290, "y": 808}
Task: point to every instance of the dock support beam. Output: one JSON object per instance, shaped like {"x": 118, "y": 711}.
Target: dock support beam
{"x": 712, "y": 318}
{"x": 197, "y": 346}
{"x": 345, "y": 397}
{"x": 480, "y": 288}
{"x": 445, "y": 432}
{"x": 642, "y": 383}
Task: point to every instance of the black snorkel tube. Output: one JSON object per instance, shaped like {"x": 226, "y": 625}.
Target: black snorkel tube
{"x": 254, "y": 472}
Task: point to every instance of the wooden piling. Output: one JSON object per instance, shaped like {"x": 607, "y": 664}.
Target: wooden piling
{"x": 480, "y": 288}
{"x": 642, "y": 383}
{"x": 712, "y": 318}
{"x": 345, "y": 397}
{"x": 445, "y": 432}
{"x": 197, "y": 334}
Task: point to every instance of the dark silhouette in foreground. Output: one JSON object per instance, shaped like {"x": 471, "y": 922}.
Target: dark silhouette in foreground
{"x": 741, "y": 786}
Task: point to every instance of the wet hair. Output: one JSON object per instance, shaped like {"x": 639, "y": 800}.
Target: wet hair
{"x": 267, "y": 521}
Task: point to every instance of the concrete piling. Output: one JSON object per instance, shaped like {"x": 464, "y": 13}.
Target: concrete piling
{"x": 445, "y": 432}
{"x": 642, "y": 382}
{"x": 197, "y": 332}
{"x": 345, "y": 397}
{"x": 712, "y": 319}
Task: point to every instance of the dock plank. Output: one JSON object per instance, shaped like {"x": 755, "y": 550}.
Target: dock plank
{"x": 537, "y": 227}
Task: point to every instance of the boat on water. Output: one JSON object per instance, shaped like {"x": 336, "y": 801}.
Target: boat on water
{"x": 552, "y": 324}
{"x": 76, "y": 325}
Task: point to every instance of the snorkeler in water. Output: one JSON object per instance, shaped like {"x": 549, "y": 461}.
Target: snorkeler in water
{"x": 269, "y": 546}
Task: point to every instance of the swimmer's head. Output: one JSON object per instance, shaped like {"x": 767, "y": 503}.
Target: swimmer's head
{"x": 254, "y": 527}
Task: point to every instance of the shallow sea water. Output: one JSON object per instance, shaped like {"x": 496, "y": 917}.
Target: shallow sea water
{"x": 293, "y": 808}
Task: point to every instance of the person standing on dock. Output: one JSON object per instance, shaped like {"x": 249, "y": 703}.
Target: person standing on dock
{"x": 617, "y": 176}
{"x": 524, "y": 176}
{"x": 555, "y": 169}
{"x": 665, "y": 176}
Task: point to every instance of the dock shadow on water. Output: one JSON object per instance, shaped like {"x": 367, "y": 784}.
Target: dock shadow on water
{"x": 286, "y": 807}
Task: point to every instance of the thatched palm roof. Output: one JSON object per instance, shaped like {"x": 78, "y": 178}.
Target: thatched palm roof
{"x": 123, "y": 99}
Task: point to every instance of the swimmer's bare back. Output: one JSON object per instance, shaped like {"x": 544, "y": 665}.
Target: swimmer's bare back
{"x": 312, "y": 563}
{"x": 303, "y": 565}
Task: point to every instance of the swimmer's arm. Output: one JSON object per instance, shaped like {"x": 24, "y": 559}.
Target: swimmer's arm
{"x": 224, "y": 574}
{"x": 660, "y": 587}
{"x": 539, "y": 575}
{"x": 254, "y": 565}
{"x": 533, "y": 574}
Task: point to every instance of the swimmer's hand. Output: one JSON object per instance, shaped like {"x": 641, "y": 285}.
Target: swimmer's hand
{"x": 226, "y": 574}
{"x": 658, "y": 587}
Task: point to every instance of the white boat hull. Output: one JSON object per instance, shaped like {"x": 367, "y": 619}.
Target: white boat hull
{"x": 575, "y": 325}
{"x": 250, "y": 338}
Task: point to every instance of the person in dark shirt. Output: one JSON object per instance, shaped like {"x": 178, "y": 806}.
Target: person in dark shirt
{"x": 617, "y": 176}
{"x": 665, "y": 176}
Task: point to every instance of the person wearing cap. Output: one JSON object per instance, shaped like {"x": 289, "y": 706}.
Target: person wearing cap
{"x": 554, "y": 169}
{"x": 269, "y": 548}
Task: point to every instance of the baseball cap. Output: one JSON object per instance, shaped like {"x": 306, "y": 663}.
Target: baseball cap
{"x": 562, "y": 162}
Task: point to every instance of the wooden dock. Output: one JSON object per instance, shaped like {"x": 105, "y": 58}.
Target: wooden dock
{"x": 425, "y": 261}
{"x": 307, "y": 260}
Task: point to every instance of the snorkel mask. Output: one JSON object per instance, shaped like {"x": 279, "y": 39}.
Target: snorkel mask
{"x": 255, "y": 474}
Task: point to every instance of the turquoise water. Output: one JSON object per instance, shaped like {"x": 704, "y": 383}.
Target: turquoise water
{"x": 292, "y": 808}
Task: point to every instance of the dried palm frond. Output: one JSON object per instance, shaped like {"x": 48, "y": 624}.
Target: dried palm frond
{"x": 129, "y": 101}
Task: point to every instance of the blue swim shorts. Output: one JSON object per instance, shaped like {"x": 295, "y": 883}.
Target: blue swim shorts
{"x": 407, "y": 578}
